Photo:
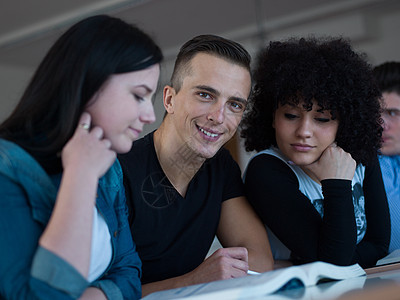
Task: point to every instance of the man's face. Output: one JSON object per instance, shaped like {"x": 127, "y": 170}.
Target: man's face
{"x": 209, "y": 106}
{"x": 391, "y": 126}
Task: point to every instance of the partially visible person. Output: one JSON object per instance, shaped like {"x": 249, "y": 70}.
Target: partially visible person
{"x": 183, "y": 187}
{"x": 388, "y": 78}
{"x": 64, "y": 230}
{"x": 315, "y": 181}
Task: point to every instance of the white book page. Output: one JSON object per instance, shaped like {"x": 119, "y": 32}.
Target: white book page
{"x": 391, "y": 258}
{"x": 263, "y": 284}
{"x": 321, "y": 270}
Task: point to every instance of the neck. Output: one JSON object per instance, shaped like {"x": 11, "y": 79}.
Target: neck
{"x": 176, "y": 158}
{"x": 311, "y": 175}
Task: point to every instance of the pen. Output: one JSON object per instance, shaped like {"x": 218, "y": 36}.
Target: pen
{"x": 249, "y": 272}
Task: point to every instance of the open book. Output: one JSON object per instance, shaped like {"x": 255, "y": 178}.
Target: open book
{"x": 393, "y": 257}
{"x": 327, "y": 291}
{"x": 263, "y": 284}
{"x": 388, "y": 263}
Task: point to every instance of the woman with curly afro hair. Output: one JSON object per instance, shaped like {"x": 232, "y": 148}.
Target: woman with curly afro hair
{"x": 314, "y": 120}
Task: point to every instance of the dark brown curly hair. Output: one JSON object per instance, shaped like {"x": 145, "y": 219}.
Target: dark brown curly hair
{"x": 325, "y": 70}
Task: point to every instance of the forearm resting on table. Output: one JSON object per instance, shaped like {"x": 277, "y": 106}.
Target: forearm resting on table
{"x": 222, "y": 264}
{"x": 217, "y": 267}
{"x": 260, "y": 260}
{"x": 240, "y": 226}
{"x": 279, "y": 264}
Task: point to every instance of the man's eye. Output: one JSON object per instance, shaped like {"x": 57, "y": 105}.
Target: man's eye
{"x": 205, "y": 95}
{"x": 237, "y": 106}
{"x": 392, "y": 112}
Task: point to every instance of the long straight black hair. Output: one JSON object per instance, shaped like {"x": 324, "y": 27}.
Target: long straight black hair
{"x": 73, "y": 70}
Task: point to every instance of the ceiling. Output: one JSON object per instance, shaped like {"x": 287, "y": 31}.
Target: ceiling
{"x": 28, "y": 28}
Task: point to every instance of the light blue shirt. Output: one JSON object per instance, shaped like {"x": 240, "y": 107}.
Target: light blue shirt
{"x": 390, "y": 166}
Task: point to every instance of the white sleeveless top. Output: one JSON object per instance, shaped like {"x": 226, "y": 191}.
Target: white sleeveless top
{"x": 313, "y": 191}
{"x": 101, "y": 250}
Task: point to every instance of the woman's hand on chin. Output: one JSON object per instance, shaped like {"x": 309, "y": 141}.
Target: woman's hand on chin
{"x": 334, "y": 163}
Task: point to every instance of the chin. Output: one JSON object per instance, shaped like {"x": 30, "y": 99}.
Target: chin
{"x": 303, "y": 161}
{"x": 204, "y": 149}
{"x": 207, "y": 153}
{"x": 389, "y": 152}
{"x": 122, "y": 148}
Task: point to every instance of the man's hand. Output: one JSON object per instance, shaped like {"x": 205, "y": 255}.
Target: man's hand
{"x": 224, "y": 263}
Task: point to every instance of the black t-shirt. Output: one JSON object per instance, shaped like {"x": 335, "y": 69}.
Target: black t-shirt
{"x": 173, "y": 234}
{"x": 273, "y": 190}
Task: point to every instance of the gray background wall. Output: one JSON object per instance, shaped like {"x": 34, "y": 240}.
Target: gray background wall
{"x": 28, "y": 28}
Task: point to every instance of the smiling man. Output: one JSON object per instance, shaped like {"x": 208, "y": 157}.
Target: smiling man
{"x": 188, "y": 188}
{"x": 388, "y": 77}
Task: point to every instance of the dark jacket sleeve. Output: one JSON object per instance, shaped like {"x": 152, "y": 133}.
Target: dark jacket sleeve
{"x": 376, "y": 241}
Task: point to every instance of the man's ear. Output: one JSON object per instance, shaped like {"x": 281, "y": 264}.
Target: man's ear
{"x": 169, "y": 98}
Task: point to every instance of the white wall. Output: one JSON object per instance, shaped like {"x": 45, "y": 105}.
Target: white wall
{"x": 373, "y": 30}
{"x": 12, "y": 82}
{"x": 374, "y": 33}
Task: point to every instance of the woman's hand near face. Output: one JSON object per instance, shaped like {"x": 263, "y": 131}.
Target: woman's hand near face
{"x": 86, "y": 157}
{"x": 87, "y": 149}
{"x": 334, "y": 163}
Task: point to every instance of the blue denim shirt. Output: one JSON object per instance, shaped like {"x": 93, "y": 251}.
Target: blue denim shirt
{"x": 28, "y": 271}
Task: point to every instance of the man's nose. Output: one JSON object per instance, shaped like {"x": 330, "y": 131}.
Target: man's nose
{"x": 217, "y": 114}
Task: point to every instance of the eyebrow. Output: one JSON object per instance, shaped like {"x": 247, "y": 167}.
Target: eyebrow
{"x": 291, "y": 105}
{"x": 217, "y": 93}
{"x": 148, "y": 89}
